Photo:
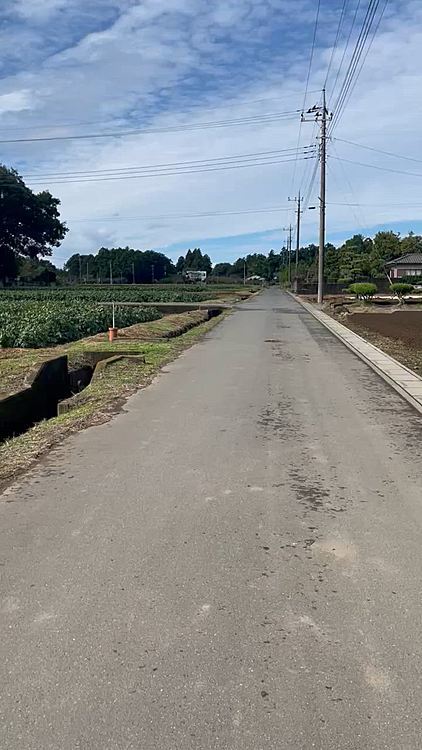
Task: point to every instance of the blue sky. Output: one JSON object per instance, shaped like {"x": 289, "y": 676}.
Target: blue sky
{"x": 82, "y": 66}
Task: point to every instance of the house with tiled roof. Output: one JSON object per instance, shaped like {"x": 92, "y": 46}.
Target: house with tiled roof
{"x": 406, "y": 265}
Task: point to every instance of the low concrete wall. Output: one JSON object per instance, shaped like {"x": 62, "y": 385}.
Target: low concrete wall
{"x": 74, "y": 401}
{"x": 45, "y": 386}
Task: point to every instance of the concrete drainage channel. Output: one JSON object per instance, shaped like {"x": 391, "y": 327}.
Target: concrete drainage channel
{"x": 51, "y": 389}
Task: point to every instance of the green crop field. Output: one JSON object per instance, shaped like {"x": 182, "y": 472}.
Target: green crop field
{"x": 106, "y": 294}
{"x": 33, "y": 323}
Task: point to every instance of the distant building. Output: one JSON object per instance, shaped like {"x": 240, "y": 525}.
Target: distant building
{"x": 406, "y": 265}
{"x": 196, "y": 276}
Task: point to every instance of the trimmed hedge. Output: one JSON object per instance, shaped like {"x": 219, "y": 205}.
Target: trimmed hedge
{"x": 363, "y": 290}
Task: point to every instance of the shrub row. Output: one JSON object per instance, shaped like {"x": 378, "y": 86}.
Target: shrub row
{"x": 365, "y": 290}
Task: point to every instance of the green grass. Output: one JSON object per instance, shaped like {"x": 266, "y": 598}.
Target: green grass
{"x": 120, "y": 379}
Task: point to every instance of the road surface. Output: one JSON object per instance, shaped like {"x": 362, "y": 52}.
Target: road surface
{"x": 233, "y": 563}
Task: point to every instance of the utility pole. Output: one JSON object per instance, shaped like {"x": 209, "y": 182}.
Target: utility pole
{"x": 111, "y": 272}
{"x": 321, "y": 115}
{"x": 80, "y": 270}
{"x": 133, "y": 272}
{"x": 152, "y": 272}
{"x": 87, "y": 271}
{"x": 244, "y": 272}
{"x": 298, "y": 202}
{"x": 289, "y": 229}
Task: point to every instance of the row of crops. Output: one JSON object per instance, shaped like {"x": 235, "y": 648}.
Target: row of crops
{"x": 38, "y": 323}
{"x": 115, "y": 294}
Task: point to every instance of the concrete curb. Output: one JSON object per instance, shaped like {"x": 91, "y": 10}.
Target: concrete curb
{"x": 406, "y": 382}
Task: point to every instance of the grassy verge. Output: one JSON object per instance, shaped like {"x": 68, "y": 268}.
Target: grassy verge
{"x": 16, "y": 363}
{"x": 121, "y": 380}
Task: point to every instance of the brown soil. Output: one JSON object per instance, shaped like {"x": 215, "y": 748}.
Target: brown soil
{"x": 399, "y": 333}
{"x": 403, "y": 326}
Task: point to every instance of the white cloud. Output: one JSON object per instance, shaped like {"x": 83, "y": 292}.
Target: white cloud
{"x": 166, "y": 62}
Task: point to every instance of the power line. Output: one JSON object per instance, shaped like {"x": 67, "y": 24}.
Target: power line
{"x": 78, "y": 123}
{"x": 380, "y": 205}
{"x": 350, "y": 205}
{"x": 204, "y": 214}
{"x": 311, "y": 57}
{"x": 378, "y": 150}
{"x": 353, "y": 62}
{"x": 195, "y": 162}
{"x": 251, "y": 120}
{"x": 311, "y": 184}
{"x": 351, "y": 76}
{"x": 170, "y": 173}
{"x": 346, "y": 46}
{"x": 353, "y": 85}
{"x": 351, "y": 191}
{"x": 340, "y": 23}
{"x": 373, "y": 166}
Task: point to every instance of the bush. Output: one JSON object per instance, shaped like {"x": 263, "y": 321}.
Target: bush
{"x": 400, "y": 288}
{"x": 363, "y": 290}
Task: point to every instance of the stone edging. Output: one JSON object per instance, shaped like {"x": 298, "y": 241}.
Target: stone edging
{"x": 406, "y": 382}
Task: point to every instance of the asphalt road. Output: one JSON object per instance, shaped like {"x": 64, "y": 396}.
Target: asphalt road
{"x": 233, "y": 563}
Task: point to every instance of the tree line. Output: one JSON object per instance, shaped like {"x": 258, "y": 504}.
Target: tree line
{"x": 30, "y": 228}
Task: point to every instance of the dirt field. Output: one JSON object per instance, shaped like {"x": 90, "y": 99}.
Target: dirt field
{"x": 397, "y": 333}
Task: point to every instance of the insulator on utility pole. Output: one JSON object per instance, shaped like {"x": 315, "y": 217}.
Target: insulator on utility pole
{"x": 321, "y": 115}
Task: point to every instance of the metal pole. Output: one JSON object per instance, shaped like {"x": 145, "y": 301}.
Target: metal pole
{"x": 244, "y": 273}
{"x": 80, "y": 270}
{"x": 152, "y": 273}
{"x": 322, "y": 201}
{"x": 290, "y": 253}
{"x": 297, "y": 236}
{"x": 133, "y": 272}
{"x": 111, "y": 272}
{"x": 87, "y": 271}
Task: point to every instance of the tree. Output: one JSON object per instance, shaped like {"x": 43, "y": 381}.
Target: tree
{"x": 411, "y": 244}
{"x": 38, "y": 272}
{"x": 222, "y": 269}
{"x": 180, "y": 265}
{"x": 195, "y": 261}
{"x": 30, "y": 223}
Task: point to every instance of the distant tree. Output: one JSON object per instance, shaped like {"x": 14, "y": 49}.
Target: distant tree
{"x": 30, "y": 222}
{"x": 180, "y": 264}
{"x": 222, "y": 269}
{"x": 411, "y": 244}
{"x": 33, "y": 271}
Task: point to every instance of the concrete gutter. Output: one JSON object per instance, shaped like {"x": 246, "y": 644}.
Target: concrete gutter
{"x": 406, "y": 382}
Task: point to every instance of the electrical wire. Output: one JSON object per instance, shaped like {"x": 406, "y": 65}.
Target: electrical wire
{"x": 339, "y": 189}
{"x": 77, "y": 123}
{"x": 311, "y": 185}
{"x": 353, "y": 86}
{"x": 192, "y": 163}
{"x": 378, "y": 150}
{"x": 340, "y": 23}
{"x": 351, "y": 191}
{"x": 351, "y": 76}
{"x": 373, "y": 166}
{"x": 311, "y": 57}
{"x": 169, "y": 173}
{"x": 251, "y": 120}
{"x": 275, "y": 209}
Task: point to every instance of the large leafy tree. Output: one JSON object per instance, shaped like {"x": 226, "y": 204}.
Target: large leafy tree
{"x": 30, "y": 223}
